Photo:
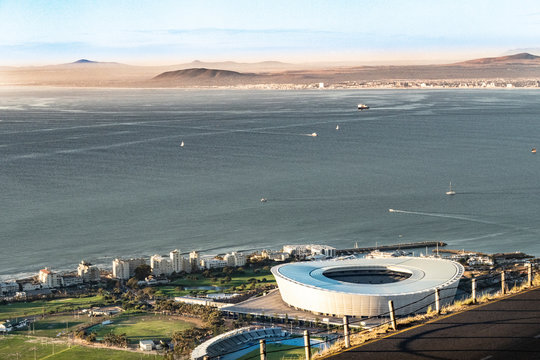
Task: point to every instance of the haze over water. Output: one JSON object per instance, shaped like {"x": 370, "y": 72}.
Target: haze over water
{"x": 97, "y": 174}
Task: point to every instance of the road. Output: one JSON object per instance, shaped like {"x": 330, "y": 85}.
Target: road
{"x": 505, "y": 329}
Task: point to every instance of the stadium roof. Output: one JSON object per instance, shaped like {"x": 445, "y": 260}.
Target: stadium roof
{"x": 425, "y": 273}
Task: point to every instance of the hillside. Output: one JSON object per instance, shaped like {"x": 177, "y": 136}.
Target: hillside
{"x": 521, "y": 58}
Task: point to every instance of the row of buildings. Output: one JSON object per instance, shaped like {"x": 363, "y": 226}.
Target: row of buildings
{"x": 176, "y": 262}
{"x": 47, "y": 279}
{"x": 161, "y": 266}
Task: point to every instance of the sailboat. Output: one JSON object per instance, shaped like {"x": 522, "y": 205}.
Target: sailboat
{"x": 182, "y": 144}
{"x": 337, "y": 127}
{"x": 450, "y": 191}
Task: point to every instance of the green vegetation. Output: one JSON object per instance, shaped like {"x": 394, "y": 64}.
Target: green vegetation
{"x": 25, "y": 348}
{"x": 280, "y": 352}
{"x": 142, "y": 326}
{"x": 50, "y": 326}
{"x": 234, "y": 281}
{"x": 22, "y": 309}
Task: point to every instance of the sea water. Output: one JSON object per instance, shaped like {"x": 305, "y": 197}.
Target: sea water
{"x": 96, "y": 174}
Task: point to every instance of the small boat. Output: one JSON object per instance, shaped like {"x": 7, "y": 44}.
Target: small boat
{"x": 182, "y": 144}
{"x": 450, "y": 191}
{"x": 533, "y": 150}
{"x": 314, "y": 134}
{"x": 264, "y": 199}
{"x": 362, "y": 107}
{"x": 337, "y": 127}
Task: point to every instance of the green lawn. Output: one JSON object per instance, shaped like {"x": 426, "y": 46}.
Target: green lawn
{"x": 142, "y": 326}
{"x": 236, "y": 281}
{"x": 51, "y": 325}
{"x": 25, "y": 348}
{"x": 281, "y": 352}
{"x": 22, "y": 309}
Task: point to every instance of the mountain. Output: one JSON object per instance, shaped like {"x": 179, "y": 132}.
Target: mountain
{"x": 516, "y": 59}
{"x": 84, "y": 61}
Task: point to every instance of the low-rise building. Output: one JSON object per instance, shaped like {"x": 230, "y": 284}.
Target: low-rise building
{"x": 71, "y": 280}
{"x": 9, "y": 287}
{"x": 146, "y": 345}
{"x": 308, "y": 250}
{"x": 212, "y": 263}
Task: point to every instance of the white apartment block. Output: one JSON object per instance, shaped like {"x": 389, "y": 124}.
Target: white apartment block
{"x": 235, "y": 259}
{"x": 125, "y": 268}
{"x": 306, "y": 250}
{"x": 213, "y": 263}
{"x": 194, "y": 260}
{"x": 88, "y": 272}
{"x": 177, "y": 261}
{"x": 49, "y": 279}
{"x": 160, "y": 265}
{"x": 71, "y": 280}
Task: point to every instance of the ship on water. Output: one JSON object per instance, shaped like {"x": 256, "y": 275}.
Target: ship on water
{"x": 362, "y": 107}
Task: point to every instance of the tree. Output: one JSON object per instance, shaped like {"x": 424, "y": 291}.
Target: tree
{"x": 143, "y": 271}
{"x": 132, "y": 283}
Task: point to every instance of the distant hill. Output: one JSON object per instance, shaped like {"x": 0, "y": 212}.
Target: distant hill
{"x": 521, "y": 58}
{"x": 84, "y": 61}
{"x": 205, "y": 77}
{"x": 201, "y": 74}
{"x": 263, "y": 66}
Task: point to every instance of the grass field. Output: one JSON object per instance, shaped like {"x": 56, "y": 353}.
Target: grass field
{"x": 51, "y": 325}
{"x": 142, "y": 326}
{"x": 237, "y": 280}
{"x": 22, "y": 309}
{"x": 281, "y": 352}
{"x": 18, "y": 347}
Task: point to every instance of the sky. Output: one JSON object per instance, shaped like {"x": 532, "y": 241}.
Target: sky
{"x": 163, "y": 32}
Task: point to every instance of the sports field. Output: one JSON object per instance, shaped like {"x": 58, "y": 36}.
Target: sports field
{"x": 142, "y": 326}
{"x": 19, "y": 347}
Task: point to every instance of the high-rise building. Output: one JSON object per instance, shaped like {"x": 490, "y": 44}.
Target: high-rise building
{"x": 160, "y": 265}
{"x": 194, "y": 260}
{"x": 177, "y": 261}
{"x": 125, "y": 268}
{"x": 88, "y": 272}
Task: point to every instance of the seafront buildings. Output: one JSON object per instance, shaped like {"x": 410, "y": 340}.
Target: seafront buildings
{"x": 161, "y": 266}
{"x": 124, "y": 269}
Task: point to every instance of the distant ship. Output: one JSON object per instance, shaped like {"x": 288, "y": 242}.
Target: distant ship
{"x": 533, "y": 150}
{"x": 314, "y": 134}
{"x": 362, "y": 107}
{"x": 376, "y": 254}
{"x": 450, "y": 191}
{"x": 264, "y": 199}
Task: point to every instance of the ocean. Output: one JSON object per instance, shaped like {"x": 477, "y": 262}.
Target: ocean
{"x": 96, "y": 174}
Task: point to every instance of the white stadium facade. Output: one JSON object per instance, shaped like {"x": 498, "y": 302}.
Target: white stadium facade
{"x": 362, "y": 287}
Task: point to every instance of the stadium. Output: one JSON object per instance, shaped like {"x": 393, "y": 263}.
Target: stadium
{"x": 362, "y": 287}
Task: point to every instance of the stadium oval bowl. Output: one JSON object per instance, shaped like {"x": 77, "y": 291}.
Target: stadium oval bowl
{"x": 362, "y": 287}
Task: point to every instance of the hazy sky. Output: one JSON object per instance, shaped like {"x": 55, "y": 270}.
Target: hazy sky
{"x": 167, "y": 31}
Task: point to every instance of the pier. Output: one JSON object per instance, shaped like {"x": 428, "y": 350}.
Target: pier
{"x": 414, "y": 245}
